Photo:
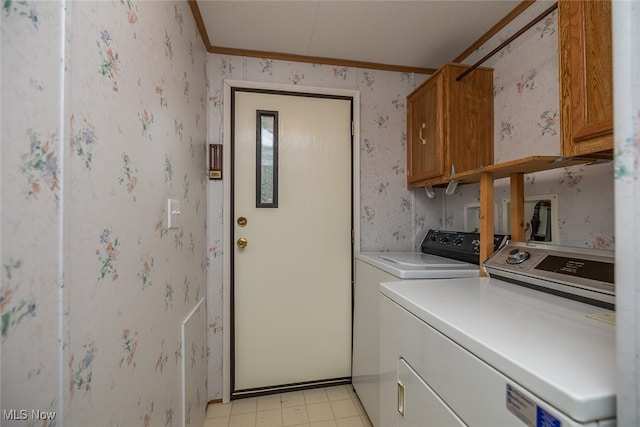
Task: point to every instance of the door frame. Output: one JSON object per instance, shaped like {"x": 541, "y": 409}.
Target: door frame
{"x": 226, "y": 217}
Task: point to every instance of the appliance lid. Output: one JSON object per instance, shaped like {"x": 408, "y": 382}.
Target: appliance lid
{"x": 416, "y": 265}
{"x": 444, "y": 254}
{"x": 421, "y": 260}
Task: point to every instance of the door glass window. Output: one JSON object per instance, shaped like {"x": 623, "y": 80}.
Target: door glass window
{"x": 266, "y": 159}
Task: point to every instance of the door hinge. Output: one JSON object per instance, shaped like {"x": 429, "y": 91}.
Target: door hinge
{"x": 353, "y": 237}
{"x": 353, "y": 131}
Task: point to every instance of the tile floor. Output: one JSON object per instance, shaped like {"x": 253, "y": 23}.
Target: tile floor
{"x": 336, "y": 406}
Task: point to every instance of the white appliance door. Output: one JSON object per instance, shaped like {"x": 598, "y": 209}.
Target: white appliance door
{"x": 292, "y": 281}
{"x": 418, "y": 404}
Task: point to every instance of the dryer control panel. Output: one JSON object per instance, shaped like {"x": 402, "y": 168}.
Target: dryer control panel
{"x": 583, "y": 274}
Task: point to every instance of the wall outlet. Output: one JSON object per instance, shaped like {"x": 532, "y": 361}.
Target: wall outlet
{"x": 173, "y": 213}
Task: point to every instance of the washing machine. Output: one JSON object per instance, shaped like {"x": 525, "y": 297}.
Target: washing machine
{"x": 533, "y": 344}
{"x": 444, "y": 254}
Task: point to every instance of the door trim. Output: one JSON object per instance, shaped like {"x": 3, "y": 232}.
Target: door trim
{"x": 227, "y": 218}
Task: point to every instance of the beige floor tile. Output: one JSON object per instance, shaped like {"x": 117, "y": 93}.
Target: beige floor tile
{"x": 339, "y": 392}
{"x": 328, "y": 423}
{"x": 218, "y": 410}
{"x": 344, "y": 408}
{"x": 243, "y": 420}
{"x": 349, "y": 422}
{"x": 217, "y": 422}
{"x": 358, "y": 406}
{"x": 272, "y": 401}
{"x": 294, "y": 415}
{"x": 294, "y": 398}
{"x": 316, "y": 395}
{"x": 336, "y": 406}
{"x": 320, "y": 412}
{"x": 269, "y": 418}
{"x": 351, "y": 391}
{"x": 244, "y": 406}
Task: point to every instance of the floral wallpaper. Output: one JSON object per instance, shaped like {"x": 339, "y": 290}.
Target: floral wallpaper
{"x": 103, "y": 119}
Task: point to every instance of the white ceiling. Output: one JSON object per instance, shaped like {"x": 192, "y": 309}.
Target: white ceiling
{"x": 423, "y": 34}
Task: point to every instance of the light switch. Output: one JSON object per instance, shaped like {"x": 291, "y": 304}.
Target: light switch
{"x": 173, "y": 213}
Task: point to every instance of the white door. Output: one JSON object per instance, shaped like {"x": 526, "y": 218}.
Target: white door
{"x": 291, "y": 197}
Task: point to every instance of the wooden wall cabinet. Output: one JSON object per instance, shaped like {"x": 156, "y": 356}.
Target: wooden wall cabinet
{"x": 586, "y": 77}
{"x": 449, "y": 123}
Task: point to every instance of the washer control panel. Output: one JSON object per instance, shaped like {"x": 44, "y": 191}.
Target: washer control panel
{"x": 459, "y": 245}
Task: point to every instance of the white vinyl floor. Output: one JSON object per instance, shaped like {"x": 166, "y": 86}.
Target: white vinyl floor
{"x": 336, "y": 406}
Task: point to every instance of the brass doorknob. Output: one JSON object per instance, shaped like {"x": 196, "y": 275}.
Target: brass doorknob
{"x": 242, "y": 243}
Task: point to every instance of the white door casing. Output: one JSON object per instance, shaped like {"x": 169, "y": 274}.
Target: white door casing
{"x": 328, "y": 300}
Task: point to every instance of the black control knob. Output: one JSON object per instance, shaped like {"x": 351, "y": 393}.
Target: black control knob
{"x": 444, "y": 239}
{"x": 458, "y": 240}
{"x": 518, "y": 256}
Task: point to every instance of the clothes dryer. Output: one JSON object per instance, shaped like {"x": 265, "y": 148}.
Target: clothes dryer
{"x": 533, "y": 344}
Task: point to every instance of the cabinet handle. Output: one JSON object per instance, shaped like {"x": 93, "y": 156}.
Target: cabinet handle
{"x": 424, "y": 126}
{"x": 401, "y": 397}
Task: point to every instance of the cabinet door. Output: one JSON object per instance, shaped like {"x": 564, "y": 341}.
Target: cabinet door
{"x": 586, "y": 82}
{"x": 469, "y": 123}
{"x": 425, "y": 157}
{"x": 419, "y": 405}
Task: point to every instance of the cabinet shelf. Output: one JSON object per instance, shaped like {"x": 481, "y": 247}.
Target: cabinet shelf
{"x": 523, "y": 165}
{"x": 514, "y": 170}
